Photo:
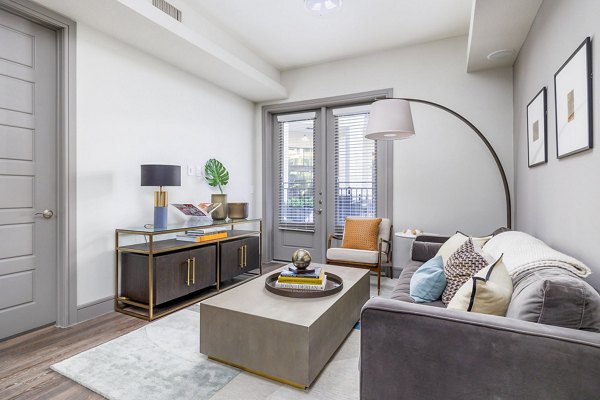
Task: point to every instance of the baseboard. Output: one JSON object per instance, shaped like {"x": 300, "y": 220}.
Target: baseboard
{"x": 95, "y": 309}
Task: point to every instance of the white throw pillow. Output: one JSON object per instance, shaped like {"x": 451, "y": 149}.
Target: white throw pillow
{"x": 457, "y": 240}
{"x": 488, "y": 292}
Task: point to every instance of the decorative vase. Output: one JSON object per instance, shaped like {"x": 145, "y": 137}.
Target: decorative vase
{"x": 237, "y": 210}
{"x": 221, "y": 212}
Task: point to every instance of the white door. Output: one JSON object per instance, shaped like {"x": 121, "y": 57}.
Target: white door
{"x": 28, "y": 236}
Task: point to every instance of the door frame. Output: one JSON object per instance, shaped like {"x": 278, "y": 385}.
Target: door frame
{"x": 66, "y": 152}
{"x": 268, "y": 112}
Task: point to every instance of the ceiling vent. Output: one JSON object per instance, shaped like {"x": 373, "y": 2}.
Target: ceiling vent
{"x": 167, "y": 8}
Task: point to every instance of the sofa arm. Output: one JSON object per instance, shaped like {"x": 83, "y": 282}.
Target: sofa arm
{"x": 412, "y": 351}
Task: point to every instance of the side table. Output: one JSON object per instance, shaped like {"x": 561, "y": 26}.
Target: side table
{"x": 403, "y": 248}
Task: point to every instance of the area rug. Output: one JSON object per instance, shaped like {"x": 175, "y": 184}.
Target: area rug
{"x": 161, "y": 360}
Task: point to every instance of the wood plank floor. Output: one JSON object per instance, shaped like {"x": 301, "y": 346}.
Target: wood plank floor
{"x": 25, "y": 360}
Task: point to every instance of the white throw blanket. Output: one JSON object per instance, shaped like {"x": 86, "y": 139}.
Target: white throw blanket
{"x": 524, "y": 253}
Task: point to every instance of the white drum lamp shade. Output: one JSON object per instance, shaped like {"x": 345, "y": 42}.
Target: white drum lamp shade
{"x": 390, "y": 119}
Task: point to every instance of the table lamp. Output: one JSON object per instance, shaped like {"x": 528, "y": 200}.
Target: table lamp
{"x": 161, "y": 175}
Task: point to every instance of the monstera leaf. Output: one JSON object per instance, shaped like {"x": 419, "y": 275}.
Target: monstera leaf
{"x": 216, "y": 174}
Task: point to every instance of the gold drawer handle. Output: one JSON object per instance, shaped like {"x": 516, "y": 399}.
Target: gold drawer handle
{"x": 245, "y": 255}
{"x": 193, "y": 270}
{"x": 241, "y": 256}
{"x": 188, "y": 272}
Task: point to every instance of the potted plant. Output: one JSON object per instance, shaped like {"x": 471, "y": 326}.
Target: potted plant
{"x": 216, "y": 175}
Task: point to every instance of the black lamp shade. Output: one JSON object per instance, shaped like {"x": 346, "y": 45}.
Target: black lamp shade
{"x": 161, "y": 175}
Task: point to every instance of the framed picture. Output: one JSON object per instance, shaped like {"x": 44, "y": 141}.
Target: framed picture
{"x": 537, "y": 129}
{"x": 573, "y": 102}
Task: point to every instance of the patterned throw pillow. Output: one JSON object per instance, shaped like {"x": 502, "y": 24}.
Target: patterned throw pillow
{"x": 361, "y": 233}
{"x": 460, "y": 267}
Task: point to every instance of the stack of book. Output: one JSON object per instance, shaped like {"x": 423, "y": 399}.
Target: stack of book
{"x": 201, "y": 235}
{"x": 290, "y": 278}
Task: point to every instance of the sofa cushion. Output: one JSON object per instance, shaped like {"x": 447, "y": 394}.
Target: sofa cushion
{"x": 553, "y": 296}
{"x": 460, "y": 267}
{"x": 402, "y": 289}
{"x": 424, "y": 250}
{"x": 487, "y": 292}
{"x": 352, "y": 255}
{"x": 455, "y": 241}
{"x": 428, "y": 282}
{"x": 361, "y": 233}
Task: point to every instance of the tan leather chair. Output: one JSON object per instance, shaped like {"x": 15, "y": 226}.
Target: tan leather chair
{"x": 370, "y": 259}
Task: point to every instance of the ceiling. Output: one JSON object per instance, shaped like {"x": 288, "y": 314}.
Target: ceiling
{"x": 242, "y": 46}
{"x": 499, "y": 25}
{"x": 287, "y": 36}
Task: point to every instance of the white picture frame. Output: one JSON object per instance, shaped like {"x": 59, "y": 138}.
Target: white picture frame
{"x": 537, "y": 129}
{"x": 573, "y": 102}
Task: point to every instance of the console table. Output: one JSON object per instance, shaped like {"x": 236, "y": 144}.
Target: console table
{"x": 161, "y": 274}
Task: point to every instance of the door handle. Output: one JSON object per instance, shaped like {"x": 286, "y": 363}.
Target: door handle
{"x": 193, "y": 270}
{"x": 47, "y": 214}
{"x": 319, "y": 211}
{"x": 188, "y": 272}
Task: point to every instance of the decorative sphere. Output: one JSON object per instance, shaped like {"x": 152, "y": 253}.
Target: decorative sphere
{"x": 301, "y": 259}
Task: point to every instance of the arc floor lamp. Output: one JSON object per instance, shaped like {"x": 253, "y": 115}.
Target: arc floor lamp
{"x": 391, "y": 119}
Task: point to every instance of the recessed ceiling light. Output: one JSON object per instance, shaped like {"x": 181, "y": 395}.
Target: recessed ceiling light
{"x": 322, "y": 7}
{"x": 500, "y": 54}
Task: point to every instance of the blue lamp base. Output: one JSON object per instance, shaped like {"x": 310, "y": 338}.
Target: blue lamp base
{"x": 160, "y": 217}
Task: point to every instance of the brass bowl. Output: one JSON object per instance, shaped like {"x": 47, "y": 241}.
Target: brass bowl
{"x": 237, "y": 210}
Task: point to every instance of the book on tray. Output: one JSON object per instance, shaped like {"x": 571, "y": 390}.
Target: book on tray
{"x": 291, "y": 278}
{"x": 302, "y": 286}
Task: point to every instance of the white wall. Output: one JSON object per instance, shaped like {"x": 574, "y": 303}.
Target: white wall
{"x": 134, "y": 109}
{"x": 558, "y": 201}
{"x": 444, "y": 178}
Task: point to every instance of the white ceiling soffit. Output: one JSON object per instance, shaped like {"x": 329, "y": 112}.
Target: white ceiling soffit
{"x": 498, "y": 25}
{"x": 201, "y": 53}
{"x": 287, "y": 35}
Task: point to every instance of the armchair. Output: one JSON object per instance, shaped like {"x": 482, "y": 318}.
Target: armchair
{"x": 372, "y": 260}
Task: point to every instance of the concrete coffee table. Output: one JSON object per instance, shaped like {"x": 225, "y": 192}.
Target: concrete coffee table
{"x": 286, "y": 339}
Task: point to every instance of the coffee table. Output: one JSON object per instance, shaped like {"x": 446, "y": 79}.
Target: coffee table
{"x": 286, "y": 339}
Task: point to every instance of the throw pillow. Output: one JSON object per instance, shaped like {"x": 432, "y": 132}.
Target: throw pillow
{"x": 428, "y": 282}
{"x": 455, "y": 241}
{"x": 460, "y": 267}
{"x": 361, "y": 233}
{"x": 488, "y": 292}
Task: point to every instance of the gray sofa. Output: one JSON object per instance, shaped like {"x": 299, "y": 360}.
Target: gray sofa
{"x": 424, "y": 351}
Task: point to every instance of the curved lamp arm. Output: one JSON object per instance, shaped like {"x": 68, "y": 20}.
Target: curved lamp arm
{"x": 483, "y": 139}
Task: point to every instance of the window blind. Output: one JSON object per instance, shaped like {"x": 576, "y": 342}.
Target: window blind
{"x": 355, "y": 166}
{"x": 296, "y": 171}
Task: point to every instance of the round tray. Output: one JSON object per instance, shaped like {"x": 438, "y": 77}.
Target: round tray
{"x": 334, "y": 284}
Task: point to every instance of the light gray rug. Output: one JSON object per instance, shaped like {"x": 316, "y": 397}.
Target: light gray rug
{"x": 161, "y": 360}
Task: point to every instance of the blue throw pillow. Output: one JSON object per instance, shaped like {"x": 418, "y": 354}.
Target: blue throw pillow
{"x": 428, "y": 282}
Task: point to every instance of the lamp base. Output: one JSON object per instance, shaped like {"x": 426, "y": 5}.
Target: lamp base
{"x": 160, "y": 217}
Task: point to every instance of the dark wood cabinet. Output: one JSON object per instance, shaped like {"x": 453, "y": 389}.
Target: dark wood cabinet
{"x": 239, "y": 256}
{"x": 183, "y": 273}
{"x": 174, "y": 274}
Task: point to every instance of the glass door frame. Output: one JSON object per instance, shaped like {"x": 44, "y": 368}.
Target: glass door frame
{"x": 268, "y": 113}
